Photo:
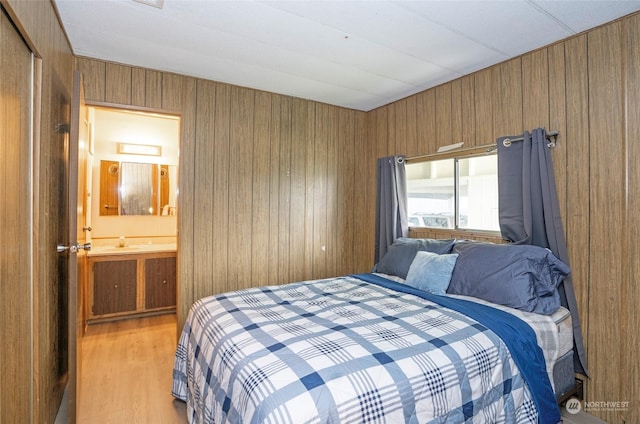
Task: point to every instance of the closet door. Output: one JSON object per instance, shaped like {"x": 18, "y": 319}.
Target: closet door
{"x": 16, "y": 286}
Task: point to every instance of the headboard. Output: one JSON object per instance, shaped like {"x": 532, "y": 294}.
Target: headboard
{"x": 446, "y": 233}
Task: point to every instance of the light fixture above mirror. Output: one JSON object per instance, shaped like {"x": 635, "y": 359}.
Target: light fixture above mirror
{"x": 139, "y": 149}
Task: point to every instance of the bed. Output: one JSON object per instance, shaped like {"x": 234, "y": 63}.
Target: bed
{"x": 370, "y": 347}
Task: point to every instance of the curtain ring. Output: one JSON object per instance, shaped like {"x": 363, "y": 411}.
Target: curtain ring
{"x": 506, "y": 142}
{"x": 400, "y": 159}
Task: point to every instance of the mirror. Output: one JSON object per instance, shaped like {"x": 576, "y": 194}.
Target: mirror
{"x": 134, "y": 162}
{"x": 131, "y": 188}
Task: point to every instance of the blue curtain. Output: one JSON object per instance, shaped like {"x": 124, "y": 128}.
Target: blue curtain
{"x": 530, "y": 213}
{"x": 391, "y": 204}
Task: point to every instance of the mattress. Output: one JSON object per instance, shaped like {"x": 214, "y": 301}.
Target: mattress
{"x": 554, "y": 343}
{"x": 343, "y": 350}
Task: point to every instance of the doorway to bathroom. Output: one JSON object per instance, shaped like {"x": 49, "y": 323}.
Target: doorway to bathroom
{"x": 130, "y": 211}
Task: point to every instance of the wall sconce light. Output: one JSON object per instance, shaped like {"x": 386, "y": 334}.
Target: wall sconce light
{"x": 139, "y": 149}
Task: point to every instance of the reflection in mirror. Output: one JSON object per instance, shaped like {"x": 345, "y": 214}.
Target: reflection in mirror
{"x": 137, "y": 189}
{"x": 129, "y": 188}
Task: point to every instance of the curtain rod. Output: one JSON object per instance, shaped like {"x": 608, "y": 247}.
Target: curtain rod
{"x": 551, "y": 135}
{"x": 486, "y": 148}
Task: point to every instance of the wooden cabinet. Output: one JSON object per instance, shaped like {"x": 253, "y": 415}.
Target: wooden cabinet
{"x": 160, "y": 282}
{"x": 119, "y": 285}
{"x": 114, "y": 286}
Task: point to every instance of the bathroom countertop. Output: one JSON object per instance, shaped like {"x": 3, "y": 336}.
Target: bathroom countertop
{"x": 131, "y": 249}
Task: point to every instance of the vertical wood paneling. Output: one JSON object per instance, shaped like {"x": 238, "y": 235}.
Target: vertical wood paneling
{"x": 607, "y": 210}
{"x": 153, "y": 89}
{"x": 456, "y": 112}
{"x": 241, "y": 184}
{"x": 261, "y": 189}
{"x": 298, "y": 176}
{"x": 629, "y": 332}
{"x": 411, "y": 133}
{"x": 364, "y": 174}
{"x": 333, "y": 181}
{"x": 553, "y": 116}
{"x": 381, "y": 135}
{"x": 399, "y": 127}
{"x": 535, "y": 89}
{"x": 310, "y": 189}
{"x": 204, "y": 185}
{"x": 320, "y": 191}
{"x": 578, "y": 177}
{"x": 173, "y": 90}
{"x": 426, "y": 115}
{"x": 346, "y": 196}
{"x": 138, "y": 86}
{"x": 484, "y": 107}
{"x": 272, "y": 265}
{"x": 221, "y": 165}
{"x": 117, "y": 84}
{"x": 93, "y": 76}
{"x": 468, "y": 106}
{"x": 507, "y": 98}
{"x": 443, "y": 115}
{"x": 186, "y": 256}
{"x": 284, "y": 189}
{"x": 16, "y": 228}
{"x": 391, "y": 121}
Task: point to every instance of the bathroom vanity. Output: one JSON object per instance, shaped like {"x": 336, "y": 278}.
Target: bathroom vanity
{"x": 128, "y": 281}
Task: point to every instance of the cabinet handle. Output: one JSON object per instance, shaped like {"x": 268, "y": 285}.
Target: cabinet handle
{"x": 164, "y": 281}
{"x": 115, "y": 286}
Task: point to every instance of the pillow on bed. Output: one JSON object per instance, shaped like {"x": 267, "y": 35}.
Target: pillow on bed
{"x": 401, "y": 253}
{"x": 519, "y": 276}
{"x": 439, "y": 246}
{"x": 431, "y": 272}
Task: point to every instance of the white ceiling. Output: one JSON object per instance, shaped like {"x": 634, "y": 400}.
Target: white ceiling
{"x": 355, "y": 54}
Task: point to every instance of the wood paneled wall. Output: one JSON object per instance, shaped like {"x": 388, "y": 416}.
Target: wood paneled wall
{"x": 587, "y": 88}
{"x": 276, "y": 189}
{"x": 269, "y": 184}
{"x": 38, "y": 24}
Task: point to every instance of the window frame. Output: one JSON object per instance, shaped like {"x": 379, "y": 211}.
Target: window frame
{"x": 455, "y": 155}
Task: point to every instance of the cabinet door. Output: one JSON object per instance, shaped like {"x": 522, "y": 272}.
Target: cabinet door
{"x": 160, "y": 282}
{"x": 114, "y": 286}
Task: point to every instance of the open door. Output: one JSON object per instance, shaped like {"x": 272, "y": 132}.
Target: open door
{"x": 78, "y": 136}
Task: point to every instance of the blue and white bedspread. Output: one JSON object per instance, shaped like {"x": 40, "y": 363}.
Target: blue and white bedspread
{"x": 344, "y": 350}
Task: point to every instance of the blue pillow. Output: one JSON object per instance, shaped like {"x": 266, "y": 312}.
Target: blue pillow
{"x": 439, "y": 246}
{"x": 519, "y": 276}
{"x": 401, "y": 253}
{"x": 431, "y": 272}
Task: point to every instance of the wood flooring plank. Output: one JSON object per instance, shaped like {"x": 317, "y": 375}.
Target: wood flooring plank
{"x": 127, "y": 372}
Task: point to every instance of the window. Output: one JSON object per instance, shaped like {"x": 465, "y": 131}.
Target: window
{"x": 458, "y": 192}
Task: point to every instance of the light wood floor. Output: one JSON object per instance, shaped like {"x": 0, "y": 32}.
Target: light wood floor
{"x": 126, "y": 375}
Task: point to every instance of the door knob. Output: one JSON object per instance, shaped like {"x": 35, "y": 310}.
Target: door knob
{"x": 73, "y": 248}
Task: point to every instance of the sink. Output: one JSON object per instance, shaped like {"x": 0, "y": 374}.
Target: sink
{"x": 133, "y": 248}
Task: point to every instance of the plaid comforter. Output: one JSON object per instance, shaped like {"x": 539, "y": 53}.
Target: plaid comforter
{"x": 343, "y": 350}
